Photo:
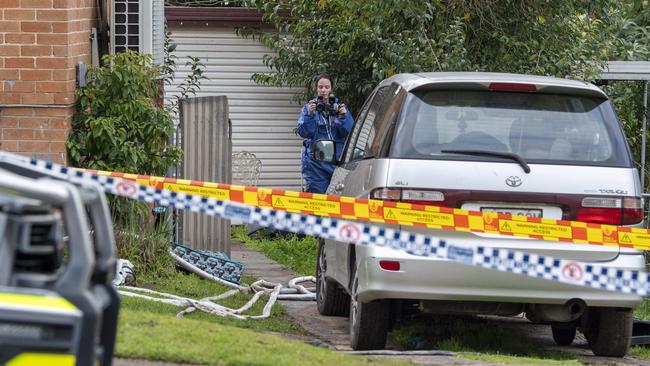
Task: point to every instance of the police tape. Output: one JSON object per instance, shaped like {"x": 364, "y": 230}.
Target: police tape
{"x": 527, "y": 264}
{"x": 407, "y": 214}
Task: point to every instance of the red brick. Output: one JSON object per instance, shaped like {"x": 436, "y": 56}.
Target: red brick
{"x": 39, "y": 27}
{"x": 6, "y": 50}
{"x": 19, "y": 14}
{"x": 9, "y": 98}
{"x": 57, "y": 146}
{"x": 66, "y": 4}
{"x": 52, "y": 39}
{"x": 60, "y": 50}
{"x": 59, "y": 123}
{"x": 11, "y": 146}
{"x": 20, "y": 38}
{"x": 80, "y": 49}
{"x": 54, "y": 14}
{"x": 79, "y": 37}
{"x": 19, "y": 86}
{"x": 19, "y": 62}
{"x": 17, "y": 112}
{"x": 64, "y": 98}
{"x": 51, "y": 135}
{"x": 37, "y": 98}
{"x": 55, "y": 112}
{"x": 54, "y": 86}
{"x": 9, "y": 74}
{"x": 66, "y": 27}
{"x": 52, "y": 63}
{"x": 35, "y": 123}
{"x": 18, "y": 134}
{"x": 36, "y": 50}
{"x": 4, "y": 4}
{"x": 35, "y": 75}
{"x": 33, "y": 146}
{"x": 64, "y": 75}
{"x": 9, "y": 26}
{"x": 8, "y": 122}
{"x": 36, "y": 4}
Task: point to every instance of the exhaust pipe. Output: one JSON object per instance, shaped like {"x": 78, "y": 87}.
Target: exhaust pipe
{"x": 551, "y": 313}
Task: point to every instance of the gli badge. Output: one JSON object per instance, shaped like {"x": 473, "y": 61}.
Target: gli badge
{"x": 513, "y": 181}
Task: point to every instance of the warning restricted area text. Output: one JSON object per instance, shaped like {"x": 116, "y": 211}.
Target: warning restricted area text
{"x": 433, "y": 218}
{"x": 305, "y": 204}
{"x": 217, "y": 193}
{"x": 533, "y": 228}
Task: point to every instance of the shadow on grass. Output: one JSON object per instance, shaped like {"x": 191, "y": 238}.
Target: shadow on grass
{"x": 471, "y": 334}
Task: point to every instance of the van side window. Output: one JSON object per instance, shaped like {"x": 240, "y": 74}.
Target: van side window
{"x": 362, "y": 146}
{"x": 352, "y": 137}
{"x": 386, "y": 120}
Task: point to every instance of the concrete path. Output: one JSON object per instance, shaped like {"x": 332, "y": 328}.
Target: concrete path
{"x": 330, "y": 330}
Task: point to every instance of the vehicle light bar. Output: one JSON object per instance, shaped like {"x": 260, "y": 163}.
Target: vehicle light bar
{"x": 513, "y": 87}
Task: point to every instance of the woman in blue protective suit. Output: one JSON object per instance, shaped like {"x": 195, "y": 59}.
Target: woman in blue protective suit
{"x": 316, "y": 124}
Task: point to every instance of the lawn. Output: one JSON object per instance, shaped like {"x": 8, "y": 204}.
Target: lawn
{"x": 150, "y": 330}
{"x": 294, "y": 252}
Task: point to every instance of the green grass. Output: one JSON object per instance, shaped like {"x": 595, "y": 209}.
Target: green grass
{"x": 495, "y": 358}
{"x": 156, "y": 336}
{"x": 189, "y": 285}
{"x": 472, "y": 334}
{"x": 643, "y": 311}
{"x": 640, "y": 352}
{"x": 297, "y": 254}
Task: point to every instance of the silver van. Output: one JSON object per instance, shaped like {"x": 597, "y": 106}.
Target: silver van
{"x": 515, "y": 144}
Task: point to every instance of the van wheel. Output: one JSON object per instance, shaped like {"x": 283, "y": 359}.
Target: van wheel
{"x": 330, "y": 298}
{"x": 369, "y": 322}
{"x": 563, "y": 336}
{"x": 609, "y": 331}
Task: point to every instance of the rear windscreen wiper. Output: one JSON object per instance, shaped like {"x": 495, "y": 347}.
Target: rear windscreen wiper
{"x": 498, "y": 154}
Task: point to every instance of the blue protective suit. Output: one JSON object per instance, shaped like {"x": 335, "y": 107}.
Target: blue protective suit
{"x": 317, "y": 174}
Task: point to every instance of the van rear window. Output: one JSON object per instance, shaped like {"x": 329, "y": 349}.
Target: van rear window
{"x": 541, "y": 128}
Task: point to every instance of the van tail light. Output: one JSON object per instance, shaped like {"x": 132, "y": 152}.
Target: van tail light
{"x": 417, "y": 196}
{"x": 611, "y": 210}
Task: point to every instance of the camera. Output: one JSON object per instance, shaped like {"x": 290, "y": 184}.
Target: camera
{"x": 329, "y": 107}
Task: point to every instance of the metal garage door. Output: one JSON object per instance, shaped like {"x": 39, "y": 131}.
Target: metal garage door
{"x": 262, "y": 117}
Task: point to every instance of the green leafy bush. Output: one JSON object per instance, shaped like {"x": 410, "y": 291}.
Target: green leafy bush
{"x": 118, "y": 126}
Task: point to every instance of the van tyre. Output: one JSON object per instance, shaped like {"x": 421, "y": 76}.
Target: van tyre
{"x": 563, "y": 336}
{"x": 369, "y": 322}
{"x": 609, "y": 331}
{"x": 330, "y": 298}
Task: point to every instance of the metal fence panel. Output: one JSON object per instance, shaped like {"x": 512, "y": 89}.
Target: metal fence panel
{"x": 206, "y": 136}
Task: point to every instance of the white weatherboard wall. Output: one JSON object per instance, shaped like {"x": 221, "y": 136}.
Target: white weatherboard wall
{"x": 263, "y": 117}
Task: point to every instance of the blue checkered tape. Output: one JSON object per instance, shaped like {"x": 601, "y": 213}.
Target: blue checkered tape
{"x": 503, "y": 260}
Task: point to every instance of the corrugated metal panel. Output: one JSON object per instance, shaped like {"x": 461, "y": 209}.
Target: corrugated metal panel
{"x": 263, "y": 117}
{"x": 206, "y": 142}
{"x": 158, "y": 36}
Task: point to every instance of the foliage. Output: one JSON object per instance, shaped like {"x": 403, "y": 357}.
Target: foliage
{"x": 142, "y": 241}
{"x": 204, "y": 3}
{"x": 361, "y": 42}
{"x": 192, "y": 82}
{"x": 118, "y": 126}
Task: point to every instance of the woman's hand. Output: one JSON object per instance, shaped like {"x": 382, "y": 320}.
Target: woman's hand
{"x": 342, "y": 109}
{"x": 311, "y": 107}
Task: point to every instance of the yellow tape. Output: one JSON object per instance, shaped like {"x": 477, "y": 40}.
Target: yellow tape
{"x": 38, "y": 359}
{"x": 217, "y": 193}
{"x": 533, "y": 228}
{"x": 305, "y": 204}
{"x": 425, "y": 217}
{"x": 43, "y": 302}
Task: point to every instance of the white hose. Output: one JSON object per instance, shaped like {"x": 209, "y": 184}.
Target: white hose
{"x": 274, "y": 290}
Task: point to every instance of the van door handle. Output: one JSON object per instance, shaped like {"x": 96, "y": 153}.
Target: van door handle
{"x": 339, "y": 187}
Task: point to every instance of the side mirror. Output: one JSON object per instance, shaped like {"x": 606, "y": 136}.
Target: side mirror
{"x": 324, "y": 150}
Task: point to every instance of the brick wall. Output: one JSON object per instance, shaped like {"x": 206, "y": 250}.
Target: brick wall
{"x": 41, "y": 42}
